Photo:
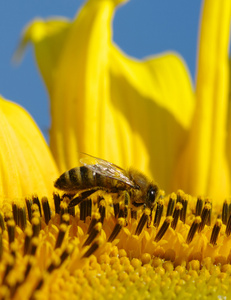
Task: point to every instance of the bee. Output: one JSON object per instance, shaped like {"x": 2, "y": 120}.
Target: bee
{"x": 108, "y": 177}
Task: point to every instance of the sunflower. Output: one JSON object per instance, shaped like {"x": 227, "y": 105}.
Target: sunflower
{"x": 140, "y": 113}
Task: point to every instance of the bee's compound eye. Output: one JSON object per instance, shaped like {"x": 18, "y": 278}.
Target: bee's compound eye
{"x": 152, "y": 194}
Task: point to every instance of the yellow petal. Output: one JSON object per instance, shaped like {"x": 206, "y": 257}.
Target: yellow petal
{"x": 109, "y": 105}
{"x": 26, "y": 164}
{"x": 78, "y": 77}
{"x": 182, "y": 256}
{"x": 48, "y": 38}
{"x": 156, "y": 110}
{"x": 228, "y": 145}
{"x": 204, "y": 168}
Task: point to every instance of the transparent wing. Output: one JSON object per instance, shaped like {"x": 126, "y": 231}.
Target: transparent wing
{"x": 106, "y": 168}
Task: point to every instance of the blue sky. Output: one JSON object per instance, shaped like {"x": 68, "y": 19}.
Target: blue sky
{"x": 141, "y": 28}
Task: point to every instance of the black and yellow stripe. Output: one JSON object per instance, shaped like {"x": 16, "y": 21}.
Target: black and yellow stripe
{"x": 82, "y": 178}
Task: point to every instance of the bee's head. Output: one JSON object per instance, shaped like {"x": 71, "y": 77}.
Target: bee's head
{"x": 152, "y": 193}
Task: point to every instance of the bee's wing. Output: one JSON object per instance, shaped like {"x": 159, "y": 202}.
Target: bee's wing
{"x": 106, "y": 168}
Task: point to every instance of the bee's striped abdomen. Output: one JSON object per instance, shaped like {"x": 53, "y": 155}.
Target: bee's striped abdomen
{"x": 104, "y": 181}
{"x": 99, "y": 180}
{"x": 83, "y": 178}
{"x": 76, "y": 179}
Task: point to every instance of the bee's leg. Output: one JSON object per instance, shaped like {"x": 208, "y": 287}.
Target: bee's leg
{"x": 137, "y": 204}
{"x": 81, "y": 197}
{"x": 116, "y": 207}
{"x": 149, "y": 222}
{"x": 102, "y": 210}
{"x": 115, "y": 200}
{"x": 69, "y": 195}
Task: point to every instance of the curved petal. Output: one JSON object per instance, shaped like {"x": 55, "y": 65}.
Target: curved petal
{"x": 155, "y": 98}
{"x": 81, "y": 91}
{"x": 100, "y": 99}
{"x": 228, "y": 146}
{"x": 26, "y": 163}
{"x": 48, "y": 38}
{"x": 205, "y": 156}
